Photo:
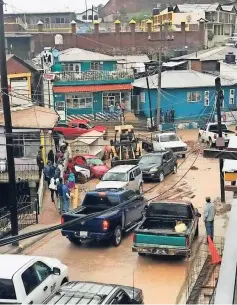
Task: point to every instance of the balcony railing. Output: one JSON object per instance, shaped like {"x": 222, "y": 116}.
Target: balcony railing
{"x": 93, "y": 75}
{"x": 50, "y": 26}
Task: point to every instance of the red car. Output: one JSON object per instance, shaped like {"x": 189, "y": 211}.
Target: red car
{"x": 76, "y": 128}
{"x": 97, "y": 167}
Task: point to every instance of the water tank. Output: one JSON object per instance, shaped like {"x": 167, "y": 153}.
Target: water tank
{"x": 230, "y": 58}
{"x": 155, "y": 11}
{"x": 58, "y": 39}
{"x": 170, "y": 9}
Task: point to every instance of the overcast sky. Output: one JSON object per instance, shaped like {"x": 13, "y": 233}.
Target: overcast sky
{"x": 20, "y": 6}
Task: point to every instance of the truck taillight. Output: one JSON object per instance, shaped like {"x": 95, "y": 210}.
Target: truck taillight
{"x": 187, "y": 241}
{"x": 62, "y": 220}
{"x": 105, "y": 225}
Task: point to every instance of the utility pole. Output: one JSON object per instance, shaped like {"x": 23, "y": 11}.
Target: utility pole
{"x": 168, "y": 38}
{"x": 219, "y": 98}
{"x": 149, "y": 98}
{"x": 158, "y": 118}
{"x": 8, "y": 127}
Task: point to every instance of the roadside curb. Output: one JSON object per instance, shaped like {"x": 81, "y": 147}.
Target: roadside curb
{"x": 19, "y": 249}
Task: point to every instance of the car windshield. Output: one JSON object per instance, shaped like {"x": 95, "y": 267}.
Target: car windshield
{"x": 94, "y": 161}
{"x": 169, "y": 138}
{"x": 148, "y": 159}
{"x": 90, "y": 125}
{"x": 115, "y": 177}
{"x": 7, "y": 290}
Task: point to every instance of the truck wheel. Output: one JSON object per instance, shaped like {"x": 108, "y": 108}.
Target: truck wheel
{"x": 75, "y": 241}
{"x": 183, "y": 156}
{"x": 161, "y": 177}
{"x": 200, "y": 140}
{"x": 141, "y": 254}
{"x": 117, "y": 237}
{"x": 140, "y": 191}
{"x": 175, "y": 169}
{"x": 197, "y": 231}
{"x": 210, "y": 143}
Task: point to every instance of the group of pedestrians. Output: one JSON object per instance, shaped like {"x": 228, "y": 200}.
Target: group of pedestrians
{"x": 168, "y": 116}
{"x": 118, "y": 108}
{"x": 54, "y": 174}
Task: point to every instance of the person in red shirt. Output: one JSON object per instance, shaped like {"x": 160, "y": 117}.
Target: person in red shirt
{"x": 70, "y": 166}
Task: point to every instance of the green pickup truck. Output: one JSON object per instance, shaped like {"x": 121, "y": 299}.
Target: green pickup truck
{"x": 156, "y": 234}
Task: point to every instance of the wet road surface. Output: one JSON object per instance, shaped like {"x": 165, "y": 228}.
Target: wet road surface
{"x": 159, "y": 278}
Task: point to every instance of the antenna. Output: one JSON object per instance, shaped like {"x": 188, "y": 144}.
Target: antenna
{"x": 133, "y": 292}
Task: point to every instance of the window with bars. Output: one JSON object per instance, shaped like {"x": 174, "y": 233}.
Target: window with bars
{"x": 194, "y": 97}
{"x": 79, "y": 100}
{"x": 206, "y": 98}
{"x": 232, "y": 97}
{"x": 98, "y": 66}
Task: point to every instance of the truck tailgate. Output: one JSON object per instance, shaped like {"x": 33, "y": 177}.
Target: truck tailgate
{"x": 160, "y": 240}
{"x": 93, "y": 225}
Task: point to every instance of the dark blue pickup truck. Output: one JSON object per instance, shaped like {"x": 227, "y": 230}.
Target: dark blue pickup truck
{"x": 111, "y": 224}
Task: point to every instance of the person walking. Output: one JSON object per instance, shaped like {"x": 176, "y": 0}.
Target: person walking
{"x": 66, "y": 197}
{"x": 209, "y": 216}
{"x": 40, "y": 162}
{"x": 53, "y": 188}
{"x": 122, "y": 107}
{"x": 60, "y": 194}
{"x": 172, "y": 114}
{"x": 56, "y": 138}
{"x": 48, "y": 173}
{"x": 71, "y": 180}
{"x": 167, "y": 116}
{"x": 51, "y": 156}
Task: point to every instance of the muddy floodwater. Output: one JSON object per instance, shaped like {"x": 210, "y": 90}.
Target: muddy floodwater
{"x": 159, "y": 278}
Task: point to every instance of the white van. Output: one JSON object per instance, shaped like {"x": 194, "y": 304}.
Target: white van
{"x": 127, "y": 177}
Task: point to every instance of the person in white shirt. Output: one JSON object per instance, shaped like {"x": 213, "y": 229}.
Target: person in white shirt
{"x": 53, "y": 188}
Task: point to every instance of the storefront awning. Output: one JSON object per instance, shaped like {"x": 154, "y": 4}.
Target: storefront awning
{"x": 93, "y": 88}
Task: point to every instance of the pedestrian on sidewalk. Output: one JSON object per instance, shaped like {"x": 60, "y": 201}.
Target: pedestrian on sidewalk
{"x": 56, "y": 138}
{"x": 122, "y": 107}
{"x": 209, "y": 216}
{"x": 48, "y": 172}
{"x": 51, "y": 156}
{"x": 40, "y": 161}
{"x": 66, "y": 197}
{"x": 60, "y": 194}
{"x": 71, "y": 180}
{"x": 53, "y": 188}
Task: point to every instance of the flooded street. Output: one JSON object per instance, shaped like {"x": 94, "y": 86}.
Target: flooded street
{"x": 159, "y": 278}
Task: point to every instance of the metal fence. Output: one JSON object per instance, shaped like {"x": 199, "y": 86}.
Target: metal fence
{"x": 27, "y": 215}
{"x": 202, "y": 276}
{"x": 23, "y": 172}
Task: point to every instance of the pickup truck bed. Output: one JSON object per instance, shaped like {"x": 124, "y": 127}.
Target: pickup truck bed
{"x": 156, "y": 233}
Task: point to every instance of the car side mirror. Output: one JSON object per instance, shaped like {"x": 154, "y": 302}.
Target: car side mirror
{"x": 56, "y": 271}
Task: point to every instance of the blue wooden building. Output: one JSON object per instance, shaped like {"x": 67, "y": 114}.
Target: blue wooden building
{"x": 87, "y": 83}
{"x": 190, "y": 93}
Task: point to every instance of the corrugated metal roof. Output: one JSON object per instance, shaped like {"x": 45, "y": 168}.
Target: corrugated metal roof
{"x": 171, "y": 64}
{"x": 217, "y": 53}
{"x": 93, "y": 88}
{"x": 35, "y": 117}
{"x": 181, "y": 79}
{"x": 76, "y": 54}
{"x": 133, "y": 59}
{"x": 186, "y": 8}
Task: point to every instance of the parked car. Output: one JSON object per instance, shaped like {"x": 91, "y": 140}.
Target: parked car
{"x": 209, "y": 134}
{"x": 76, "y": 127}
{"x": 157, "y": 165}
{"x": 156, "y": 234}
{"x": 164, "y": 141}
{"x": 110, "y": 225}
{"x": 96, "y": 293}
{"x": 96, "y": 166}
{"x": 30, "y": 279}
{"x": 127, "y": 177}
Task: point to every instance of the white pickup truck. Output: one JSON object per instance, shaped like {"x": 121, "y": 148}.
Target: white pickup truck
{"x": 164, "y": 141}
{"x": 209, "y": 134}
{"x": 29, "y": 279}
